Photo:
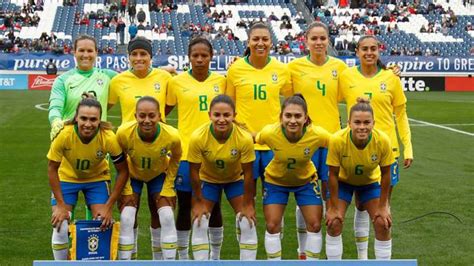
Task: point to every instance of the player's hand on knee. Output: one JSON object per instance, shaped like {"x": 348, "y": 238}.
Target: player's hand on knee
{"x": 126, "y": 200}
{"x": 169, "y": 201}
{"x": 198, "y": 211}
{"x": 59, "y": 215}
{"x": 383, "y": 213}
{"x": 333, "y": 216}
{"x": 56, "y": 127}
{"x": 249, "y": 213}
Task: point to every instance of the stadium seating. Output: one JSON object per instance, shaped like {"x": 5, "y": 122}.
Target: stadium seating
{"x": 59, "y": 19}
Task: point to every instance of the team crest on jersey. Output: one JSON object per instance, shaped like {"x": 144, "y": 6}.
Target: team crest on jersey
{"x": 163, "y": 151}
{"x": 275, "y": 77}
{"x": 233, "y": 152}
{"x": 383, "y": 87}
{"x": 216, "y": 88}
{"x": 179, "y": 180}
{"x": 307, "y": 151}
{"x": 157, "y": 87}
{"x": 99, "y": 154}
{"x": 93, "y": 242}
{"x": 334, "y": 74}
{"x": 374, "y": 157}
{"x": 100, "y": 82}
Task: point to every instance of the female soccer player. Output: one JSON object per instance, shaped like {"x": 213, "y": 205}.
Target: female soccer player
{"x": 148, "y": 143}
{"x": 256, "y": 82}
{"x": 316, "y": 77}
{"x": 77, "y": 162}
{"x": 219, "y": 154}
{"x": 293, "y": 140}
{"x": 140, "y": 80}
{"x": 359, "y": 159}
{"x": 192, "y": 92}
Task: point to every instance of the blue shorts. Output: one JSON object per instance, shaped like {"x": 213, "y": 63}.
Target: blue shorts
{"x": 394, "y": 173}
{"x": 308, "y": 194}
{"x": 153, "y": 186}
{"x": 213, "y": 191}
{"x": 366, "y": 192}
{"x": 262, "y": 159}
{"x": 183, "y": 178}
{"x": 94, "y": 192}
{"x": 319, "y": 161}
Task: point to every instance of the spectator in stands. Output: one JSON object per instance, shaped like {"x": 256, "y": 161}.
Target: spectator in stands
{"x": 423, "y": 29}
{"x": 120, "y": 31}
{"x": 285, "y": 17}
{"x": 132, "y": 12}
{"x": 299, "y": 18}
{"x": 132, "y": 30}
{"x": 51, "y": 68}
{"x": 141, "y": 16}
{"x": 417, "y": 52}
{"x": 140, "y": 26}
{"x": 469, "y": 27}
{"x": 272, "y": 17}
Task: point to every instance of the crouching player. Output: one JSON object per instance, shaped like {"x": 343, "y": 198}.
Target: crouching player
{"x": 148, "y": 142}
{"x": 359, "y": 162}
{"x": 78, "y": 162}
{"x": 219, "y": 152}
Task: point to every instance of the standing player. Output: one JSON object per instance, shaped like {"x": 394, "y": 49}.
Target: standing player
{"x": 192, "y": 92}
{"x": 256, "y": 82}
{"x": 129, "y": 86}
{"x": 293, "y": 140}
{"x": 148, "y": 142}
{"x": 77, "y": 162}
{"x": 219, "y": 154}
{"x": 140, "y": 80}
{"x": 359, "y": 159}
{"x": 371, "y": 80}
{"x": 316, "y": 78}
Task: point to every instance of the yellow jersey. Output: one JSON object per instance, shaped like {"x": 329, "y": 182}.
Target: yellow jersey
{"x": 257, "y": 93}
{"x": 319, "y": 86}
{"x": 385, "y": 92}
{"x": 220, "y": 163}
{"x": 81, "y": 162}
{"x": 127, "y": 88}
{"x": 291, "y": 164}
{"x": 148, "y": 160}
{"x": 193, "y": 99}
{"x": 359, "y": 167}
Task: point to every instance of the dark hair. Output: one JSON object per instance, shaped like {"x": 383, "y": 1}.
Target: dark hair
{"x": 316, "y": 24}
{"x": 84, "y": 37}
{"x": 148, "y": 99}
{"x": 362, "y": 105}
{"x": 199, "y": 40}
{"x": 379, "y": 62}
{"x": 222, "y": 98}
{"x": 88, "y": 99}
{"x": 296, "y": 99}
{"x": 255, "y": 26}
{"x": 140, "y": 42}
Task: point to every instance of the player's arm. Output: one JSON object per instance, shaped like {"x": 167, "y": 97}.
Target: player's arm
{"x": 168, "y": 186}
{"x": 60, "y": 213}
{"x": 404, "y": 133}
{"x": 248, "y": 208}
{"x": 57, "y": 99}
{"x": 171, "y": 99}
{"x": 198, "y": 207}
{"x": 332, "y": 213}
{"x": 383, "y": 211}
{"x": 121, "y": 166}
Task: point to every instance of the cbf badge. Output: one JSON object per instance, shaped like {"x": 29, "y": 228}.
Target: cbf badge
{"x": 100, "y": 82}
{"x": 89, "y": 242}
{"x": 383, "y": 87}
{"x": 157, "y": 87}
{"x": 334, "y": 74}
{"x": 274, "y": 77}
{"x": 216, "y": 89}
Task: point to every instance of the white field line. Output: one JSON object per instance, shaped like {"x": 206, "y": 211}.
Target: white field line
{"x": 456, "y": 125}
{"x": 441, "y": 126}
{"x": 41, "y": 106}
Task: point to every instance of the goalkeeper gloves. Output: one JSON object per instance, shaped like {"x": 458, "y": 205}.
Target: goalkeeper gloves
{"x": 56, "y": 127}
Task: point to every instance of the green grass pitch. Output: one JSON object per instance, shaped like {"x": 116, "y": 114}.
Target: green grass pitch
{"x": 441, "y": 181}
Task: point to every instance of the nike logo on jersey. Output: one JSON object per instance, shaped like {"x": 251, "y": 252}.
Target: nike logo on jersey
{"x": 185, "y": 90}
{"x": 345, "y": 156}
{"x": 276, "y": 149}
{"x": 351, "y": 86}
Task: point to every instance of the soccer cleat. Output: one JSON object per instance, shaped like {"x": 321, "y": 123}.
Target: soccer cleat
{"x": 302, "y": 256}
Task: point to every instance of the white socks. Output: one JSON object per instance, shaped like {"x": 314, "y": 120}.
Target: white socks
{"x": 135, "y": 246}
{"x": 200, "y": 239}
{"x": 334, "y": 247}
{"x": 300, "y": 231}
{"x": 248, "y": 241}
{"x": 273, "y": 246}
{"x": 156, "y": 243}
{"x": 60, "y": 241}
{"x": 314, "y": 244}
{"x": 216, "y": 237}
{"x": 168, "y": 233}
{"x": 383, "y": 249}
{"x": 126, "y": 239}
{"x": 183, "y": 244}
{"x": 361, "y": 231}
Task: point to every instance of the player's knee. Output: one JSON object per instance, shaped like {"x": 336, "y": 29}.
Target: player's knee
{"x": 127, "y": 216}
{"x": 274, "y": 227}
{"x": 61, "y": 236}
{"x": 313, "y": 226}
{"x": 335, "y": 228}
{"x": 166, "y": 217}
{"x": 379, "y": 227}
